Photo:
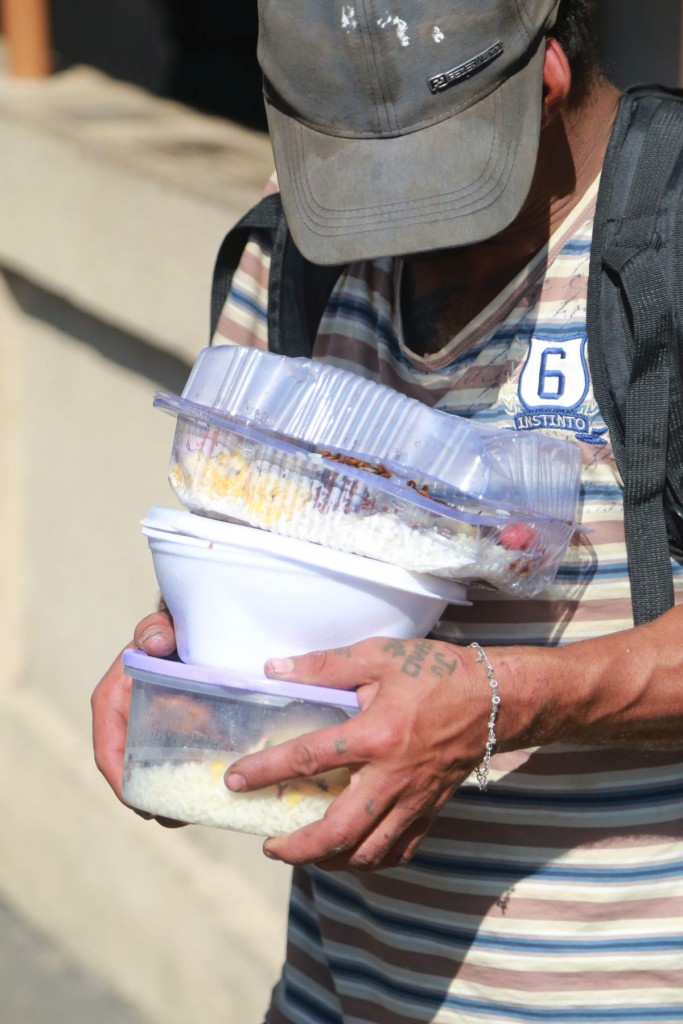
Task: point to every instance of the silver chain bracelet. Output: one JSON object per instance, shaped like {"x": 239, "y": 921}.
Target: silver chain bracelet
{"x": 482, "y": 771}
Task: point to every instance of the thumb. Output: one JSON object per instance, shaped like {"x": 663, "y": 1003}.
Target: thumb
{"x": 155, "y": 635}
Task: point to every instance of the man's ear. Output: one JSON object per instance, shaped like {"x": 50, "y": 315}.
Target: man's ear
{"x": 557, "y": 80}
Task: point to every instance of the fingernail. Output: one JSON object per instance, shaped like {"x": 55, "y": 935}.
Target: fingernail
{"x": 235, "y": 782}
{"x": 269, "y": 852}
{"x": 151, "y": 635}
{"x": 279, "y": 666}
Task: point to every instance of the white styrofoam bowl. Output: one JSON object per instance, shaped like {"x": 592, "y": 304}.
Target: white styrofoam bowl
{"x": 239, "y": 595}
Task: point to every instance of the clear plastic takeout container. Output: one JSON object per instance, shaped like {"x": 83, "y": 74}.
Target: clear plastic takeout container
{"x": 300, "y": 399}
{"x": 187, "y": 725}
{"x": 317, "y": 453}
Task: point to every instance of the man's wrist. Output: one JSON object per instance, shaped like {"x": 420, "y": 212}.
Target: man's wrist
{"x": 545, "y": 692}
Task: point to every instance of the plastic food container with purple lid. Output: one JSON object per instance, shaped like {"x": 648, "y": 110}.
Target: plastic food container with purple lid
{"x": 187, "y": 726}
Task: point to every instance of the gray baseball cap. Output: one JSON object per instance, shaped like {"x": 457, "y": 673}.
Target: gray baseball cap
{"x": 401, "y": 126}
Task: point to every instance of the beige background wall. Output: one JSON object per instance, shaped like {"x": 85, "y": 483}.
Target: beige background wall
{"x": 111, "y": 217}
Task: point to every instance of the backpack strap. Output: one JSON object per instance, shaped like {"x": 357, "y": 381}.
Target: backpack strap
{"x": 298, "y": 290}
{"x": 634, "y": 347}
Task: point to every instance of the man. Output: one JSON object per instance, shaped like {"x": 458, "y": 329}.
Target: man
{"x": 468, "y": 136}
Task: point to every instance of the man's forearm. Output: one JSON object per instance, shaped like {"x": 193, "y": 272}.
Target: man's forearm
{"x": 623, "y": 689}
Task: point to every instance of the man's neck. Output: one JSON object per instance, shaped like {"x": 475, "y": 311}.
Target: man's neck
{"x": 444, "y": 291}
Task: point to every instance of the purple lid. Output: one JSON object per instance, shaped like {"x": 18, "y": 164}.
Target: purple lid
{"x": 166, "y": 670}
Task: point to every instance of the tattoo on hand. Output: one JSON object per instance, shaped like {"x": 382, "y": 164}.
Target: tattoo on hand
{"x": 442, "y": 666}
{"x": 422, "y": 654}
{"x": 413, "y": 664}
{"x": 340, "y": 747}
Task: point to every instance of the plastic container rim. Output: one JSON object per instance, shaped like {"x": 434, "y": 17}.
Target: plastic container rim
{"x": 180, "y": 675}
{"x": 178, "y": 527}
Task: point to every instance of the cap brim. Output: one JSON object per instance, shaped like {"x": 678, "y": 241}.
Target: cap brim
{"x": 454, "y": 183}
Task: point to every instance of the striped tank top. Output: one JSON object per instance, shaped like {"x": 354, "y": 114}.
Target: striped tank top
{"x": 556, "y": 895}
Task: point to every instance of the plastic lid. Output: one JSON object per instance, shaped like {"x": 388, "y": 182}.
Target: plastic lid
{"x": 166, "y": 670}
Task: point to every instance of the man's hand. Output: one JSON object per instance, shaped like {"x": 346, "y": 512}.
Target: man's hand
{"x": 422, "y": 730}
{"x": 424, "y": 725}
{"x": 111, "y": 700}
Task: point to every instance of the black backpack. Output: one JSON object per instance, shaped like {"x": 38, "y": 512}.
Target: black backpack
{"x": 634, "y": 317}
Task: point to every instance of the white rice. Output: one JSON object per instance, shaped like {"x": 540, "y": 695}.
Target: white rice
{"x": 194, "y": 792}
